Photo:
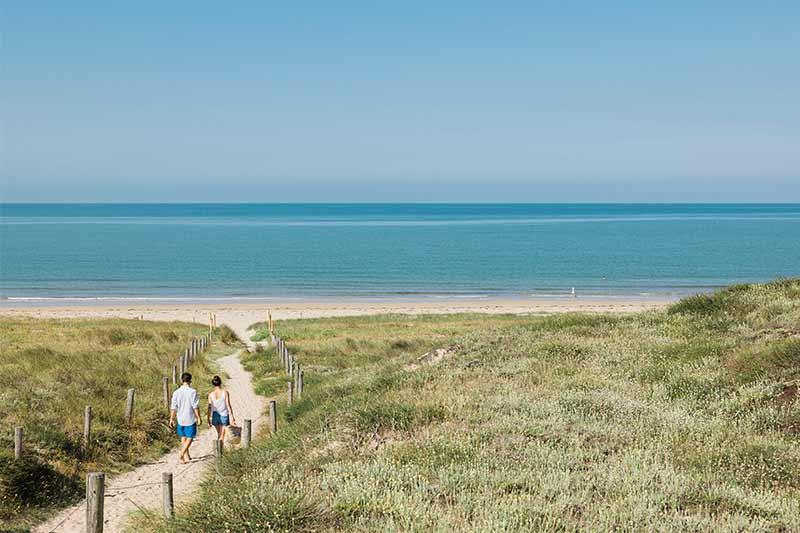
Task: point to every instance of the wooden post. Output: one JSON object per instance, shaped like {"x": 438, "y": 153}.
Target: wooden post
{"x": 289, "y": 391}
{"x": 247, "y": 432}
{"x": 167, "y": 495}
{"x": 95, "y": 494}
{"x": 181, "y": 368}
{"x": 299, "y": 386}
{"x": 18, "y": 443}
{"x": 129, "y": 406}
{"x": 87, "y": 427}
{"x": 174, "y": 375}
{"x": 166, "y": 393}
{"x": 273, "y": 416}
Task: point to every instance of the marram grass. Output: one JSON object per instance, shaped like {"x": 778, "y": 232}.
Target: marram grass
{"x": 49, "y": 371}
{"x": 680, "y": 420}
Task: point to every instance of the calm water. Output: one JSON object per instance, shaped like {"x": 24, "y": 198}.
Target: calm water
{"x": 389, "y": 251}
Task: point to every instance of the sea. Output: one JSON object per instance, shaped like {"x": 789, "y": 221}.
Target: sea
{"x": 62, "y": 253}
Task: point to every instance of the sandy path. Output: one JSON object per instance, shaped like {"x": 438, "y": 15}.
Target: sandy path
{"x": 146, "y": 480}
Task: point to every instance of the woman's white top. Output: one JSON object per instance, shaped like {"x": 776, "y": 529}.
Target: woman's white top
{"x": 220, "y": 405}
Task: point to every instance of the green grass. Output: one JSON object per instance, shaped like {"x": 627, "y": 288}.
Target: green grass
{"x": 49, "y": 371}
{"x": 677, "y": 420}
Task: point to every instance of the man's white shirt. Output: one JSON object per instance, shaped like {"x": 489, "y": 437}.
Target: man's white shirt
{"x": 184, "y": 401}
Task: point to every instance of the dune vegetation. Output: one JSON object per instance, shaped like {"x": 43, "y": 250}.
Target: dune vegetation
{"x": 49, "y": 371}
{"x": 678, "y": 420}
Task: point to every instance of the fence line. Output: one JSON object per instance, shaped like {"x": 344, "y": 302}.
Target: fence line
{"x": 197, "y": 345}
{"x": 95, "y": 481}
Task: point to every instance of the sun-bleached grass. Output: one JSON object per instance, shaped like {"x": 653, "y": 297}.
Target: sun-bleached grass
{"x": 49, "y": 371}
{"x": 679, "y": 420}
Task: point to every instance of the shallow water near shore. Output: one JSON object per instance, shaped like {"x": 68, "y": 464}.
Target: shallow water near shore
{"x": 374, "y": 252}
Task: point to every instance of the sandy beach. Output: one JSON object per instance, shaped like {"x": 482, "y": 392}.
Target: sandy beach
{"x": 241, "y": 315}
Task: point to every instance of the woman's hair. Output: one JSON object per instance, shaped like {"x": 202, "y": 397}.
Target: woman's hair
{"x": 216, "y": 381}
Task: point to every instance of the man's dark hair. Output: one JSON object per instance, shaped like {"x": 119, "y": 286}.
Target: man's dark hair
{"x": 186, "y": 377}
{"x": 216, "y": 381}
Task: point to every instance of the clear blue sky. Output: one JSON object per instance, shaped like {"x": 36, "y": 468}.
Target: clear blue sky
{"x": 403, "y": 101}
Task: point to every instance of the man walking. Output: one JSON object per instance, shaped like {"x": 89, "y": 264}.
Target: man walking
{"x": 185, "y": 407}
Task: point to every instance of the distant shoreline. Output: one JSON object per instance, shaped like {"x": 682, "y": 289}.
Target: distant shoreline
{"x": 27, "y": 302}
{"x": 242, "y": 315}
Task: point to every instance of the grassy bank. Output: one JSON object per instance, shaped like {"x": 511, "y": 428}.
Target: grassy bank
{"x": 49, "y": 371}
{"x": 679, "y": 420}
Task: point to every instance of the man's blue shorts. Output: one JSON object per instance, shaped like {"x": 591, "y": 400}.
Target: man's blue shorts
{"x": 189, "y": 432}
{"x": 217, "y": 420}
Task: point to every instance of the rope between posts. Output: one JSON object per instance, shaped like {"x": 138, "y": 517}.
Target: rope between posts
{"x": 114, "y": 491}
{"x": 78, "y": 508}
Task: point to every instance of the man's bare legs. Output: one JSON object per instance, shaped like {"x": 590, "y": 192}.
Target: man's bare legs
{"x": 185, "y": 443}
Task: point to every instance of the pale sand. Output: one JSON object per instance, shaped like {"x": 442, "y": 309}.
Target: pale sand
{"x": 240, "y": 315}
{"x": 145, "y": 481}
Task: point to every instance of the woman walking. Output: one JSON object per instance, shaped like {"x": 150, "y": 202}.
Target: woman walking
{"x": 220, "y": 410}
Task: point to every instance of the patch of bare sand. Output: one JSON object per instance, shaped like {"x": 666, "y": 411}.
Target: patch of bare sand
{"x": 431, "y": 358}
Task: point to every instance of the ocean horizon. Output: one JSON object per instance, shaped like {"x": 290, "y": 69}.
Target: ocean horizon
{"x": 262, "y": 252}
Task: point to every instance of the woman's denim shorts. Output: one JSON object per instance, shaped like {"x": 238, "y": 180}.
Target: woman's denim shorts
{"x": 217, "y": 420}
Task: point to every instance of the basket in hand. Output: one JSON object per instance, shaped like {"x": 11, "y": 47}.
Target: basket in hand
{"x": 234, "y": 435}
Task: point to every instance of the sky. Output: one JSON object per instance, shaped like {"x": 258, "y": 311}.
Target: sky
{"x": 680, "y": 101}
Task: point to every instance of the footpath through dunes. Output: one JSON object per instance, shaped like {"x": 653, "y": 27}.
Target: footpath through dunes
{"x": 141, "y": 488}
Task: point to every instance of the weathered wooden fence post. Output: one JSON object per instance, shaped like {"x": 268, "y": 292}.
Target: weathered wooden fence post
{"x": 95, "y": 494}
{"x": 87, "y": 427}
{"x": 129, "y": 406}
{"x": 247, "y": 433}
{"x": 167, "y": 495}
{"x": 18, "y": 443}
{"x": 273, "y": 416}
{"x": 289, "y": 392}
{"x": 299, "y": 385}
{"x": 166, "y": 392}
{"x": 174, "y": 374}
